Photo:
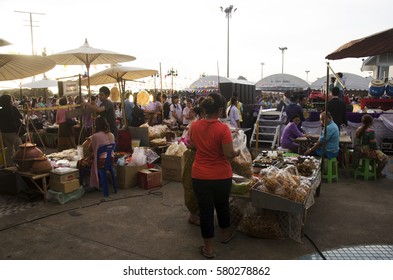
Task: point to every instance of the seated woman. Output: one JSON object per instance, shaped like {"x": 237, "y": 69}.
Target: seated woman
{"x": 290, "y": 133}
{"x": 100, "y": 138}
{"x": 366, "y": 146}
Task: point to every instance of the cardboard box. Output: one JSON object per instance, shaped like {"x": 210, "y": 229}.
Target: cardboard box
{"x": 63, "y": 175}
{"x": 261, "y": 199}
{"x": 149, "y": 178}
{"x": 126, "y": 176}
{"x": 172, "y": 167}
{"x": 65, "y": 187}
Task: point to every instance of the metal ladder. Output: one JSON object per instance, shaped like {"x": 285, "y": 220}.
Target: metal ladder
{"x": 267, "y": 128}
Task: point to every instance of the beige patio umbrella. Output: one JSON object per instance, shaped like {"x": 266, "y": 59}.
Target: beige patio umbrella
{"x": 4, "y": 43}
{"x": 14, "y": 66}
{"x": 119, "y": 74}
{"x": 86, "y": 55}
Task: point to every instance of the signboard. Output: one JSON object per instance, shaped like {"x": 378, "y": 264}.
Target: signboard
{"x": 70, "y": 88}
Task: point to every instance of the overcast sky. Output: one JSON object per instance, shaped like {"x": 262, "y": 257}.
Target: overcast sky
{"x": 191, "y": 36}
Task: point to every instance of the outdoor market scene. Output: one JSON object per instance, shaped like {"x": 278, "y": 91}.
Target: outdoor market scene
{"x": 122, "y": 164}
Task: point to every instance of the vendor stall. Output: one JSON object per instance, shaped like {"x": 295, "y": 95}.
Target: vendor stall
{"x": 383, "y": 124}
{"x": 283, "y": 190}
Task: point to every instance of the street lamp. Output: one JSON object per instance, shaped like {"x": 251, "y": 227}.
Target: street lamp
{"x": 283, "y": 49}
{"x": 262, "y": 64}
{"x": 307, "y": 71}
{"x": 228, "y": 15}
{"x": 172, "y": 73}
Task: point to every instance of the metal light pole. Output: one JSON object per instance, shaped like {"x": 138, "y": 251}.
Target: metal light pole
{"x": 262, "y": 64}
{"x": 283, "y": 49}
{"x": 228, "y": 15}
{"x": 172, "y": 73}
{"x": 307, "y": 71}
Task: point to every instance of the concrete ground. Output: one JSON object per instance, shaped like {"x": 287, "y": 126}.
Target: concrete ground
{"x": 137, "y": 224}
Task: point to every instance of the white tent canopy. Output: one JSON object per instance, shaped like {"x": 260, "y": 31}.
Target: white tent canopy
{"x": 352, "y": 82}
{"x": 281, "y": 82}
{"x": 212, "y": 82}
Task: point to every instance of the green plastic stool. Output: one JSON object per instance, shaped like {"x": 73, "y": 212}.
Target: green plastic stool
{"x": 365, "y": 170}
{"x": 331, "y": 172}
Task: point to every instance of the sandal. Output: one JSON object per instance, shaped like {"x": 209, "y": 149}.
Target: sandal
{"x": 225, "y": 241}
{"x": 205, "y": 254}
{"x": 194, "y": 222}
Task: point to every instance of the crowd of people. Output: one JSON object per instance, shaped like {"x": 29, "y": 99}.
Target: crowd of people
{"x": 204, "y": 122}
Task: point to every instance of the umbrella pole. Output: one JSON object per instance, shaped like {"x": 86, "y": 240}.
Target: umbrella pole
{"x": 335, "y": 75}
{"x": 3, "y": 153}
{"x": 162, "y": 110}
{"x": 88, "y": 79}
{"x": 325, "y": 124}
{"x": 122, "y": 86}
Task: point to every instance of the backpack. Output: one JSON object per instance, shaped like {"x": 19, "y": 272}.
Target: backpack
{"x": 138, "y": 117}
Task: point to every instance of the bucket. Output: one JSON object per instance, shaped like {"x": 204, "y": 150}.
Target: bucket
{"x": 376, "y": 88}
{"x": 135, "y": 143}
{"x": 389, "y": 88}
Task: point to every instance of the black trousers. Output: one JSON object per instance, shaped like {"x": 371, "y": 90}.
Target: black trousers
{"x": 212, "y": 194}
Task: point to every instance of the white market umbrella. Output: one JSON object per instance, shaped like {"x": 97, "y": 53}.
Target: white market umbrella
{"x": 14, "y": 66}
{"x": 44, "y": 83}
{"x": 86, "y": 55}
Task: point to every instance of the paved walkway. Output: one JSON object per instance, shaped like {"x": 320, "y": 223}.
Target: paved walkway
{"x": 137, "y": 224}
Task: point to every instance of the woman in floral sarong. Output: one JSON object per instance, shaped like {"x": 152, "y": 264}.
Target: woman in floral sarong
{"x": 366, "y": 146}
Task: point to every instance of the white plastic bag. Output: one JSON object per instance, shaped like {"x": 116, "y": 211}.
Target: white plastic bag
{"x": 138, "y": 157}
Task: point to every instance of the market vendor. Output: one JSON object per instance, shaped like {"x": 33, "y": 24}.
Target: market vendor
{"x": 291, "y": 132}
{"x": 102, "y": 137}
{"x": 332, "y": 138}
{"x": 106, "y": 109}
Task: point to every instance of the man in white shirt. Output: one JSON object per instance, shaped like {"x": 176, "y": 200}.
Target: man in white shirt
{"x": 176, "y": 110}
{"x": 186, "y": 111}
{"x": 233, "y": 113}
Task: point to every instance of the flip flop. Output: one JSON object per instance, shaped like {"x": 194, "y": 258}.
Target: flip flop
{"x": 206, "y": 255}
{"x": 225, "y": 241}
{"x": 194, "y": 222}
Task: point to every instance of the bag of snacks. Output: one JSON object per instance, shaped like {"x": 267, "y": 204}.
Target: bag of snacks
{"x": 261, "y": 225}
{"x": 242, "y": 164}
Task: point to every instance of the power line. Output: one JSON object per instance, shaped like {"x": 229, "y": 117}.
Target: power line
{"x": 31, "y": 26}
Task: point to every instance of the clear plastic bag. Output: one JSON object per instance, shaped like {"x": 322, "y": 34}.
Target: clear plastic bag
{"x": 242, "y": 164}
{"x": 240, "y": 142}
{"x": 138, "y": 157}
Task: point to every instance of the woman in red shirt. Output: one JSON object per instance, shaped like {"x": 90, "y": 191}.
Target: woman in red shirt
{"x": 212, "y": 172}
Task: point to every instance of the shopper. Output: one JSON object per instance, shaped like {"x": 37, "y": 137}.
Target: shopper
{"x": 212, "y": 172}
{"x": 10, "y": 125}
{"x": 337, "y": 108}
{"x": 66, "y": 138}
